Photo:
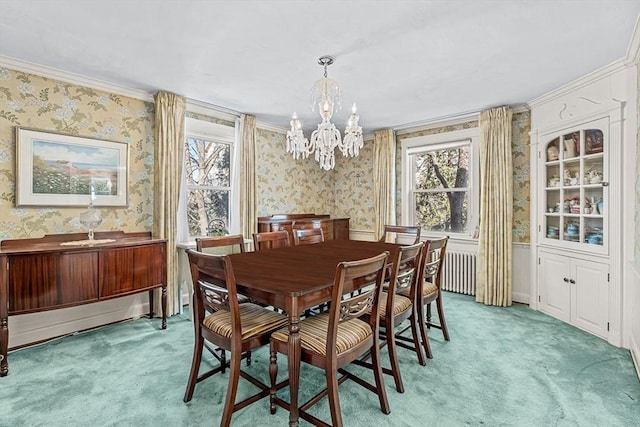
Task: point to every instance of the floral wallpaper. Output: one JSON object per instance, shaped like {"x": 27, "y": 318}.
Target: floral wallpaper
{"x": 353, "y": 189}
{"x": 520, "y": 143}
{"x": 285, "y": 185}
{"x": 44, "y": 104}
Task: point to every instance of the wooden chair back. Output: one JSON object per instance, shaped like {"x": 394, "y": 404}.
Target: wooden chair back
{"x": 221, "y": 245}
{"x": 367, "y": 273}
{"x": 271, "y": 240}
{"x": 405, "y": 273}
{"x": 433, "y": 261}
{"x": 214, "y": 288}
{"x": 397, "y": 233}
{"x": 307, "y": 236}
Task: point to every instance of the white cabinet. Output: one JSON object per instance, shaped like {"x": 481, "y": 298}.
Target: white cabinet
{"x": 575, "y": 190}
{"x": 574, "y": 290}
{"x": 581, "y": 225}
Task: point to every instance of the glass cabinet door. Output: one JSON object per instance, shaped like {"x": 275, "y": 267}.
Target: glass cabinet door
{"x": 574, "y": 201}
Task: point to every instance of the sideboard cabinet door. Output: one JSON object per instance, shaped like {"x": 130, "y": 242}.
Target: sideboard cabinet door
{"x": 129, "y": 270}
{"x": 42, "y": 281}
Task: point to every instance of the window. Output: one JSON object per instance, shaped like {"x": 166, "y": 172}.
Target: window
{"x": 439, "y": 182}
{"x": 209, "y": 168}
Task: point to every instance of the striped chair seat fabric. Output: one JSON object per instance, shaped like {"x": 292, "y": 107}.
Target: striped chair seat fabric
{"x": 313, "y": 334}
{"x": 254, "y": 319}
{"x": 400, "y": 304}
{"x": 428, "y": 288}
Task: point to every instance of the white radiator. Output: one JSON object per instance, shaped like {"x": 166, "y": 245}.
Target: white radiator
{"x": 459, "y": 272}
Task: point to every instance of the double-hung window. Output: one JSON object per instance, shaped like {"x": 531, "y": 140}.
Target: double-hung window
{"x": 209, "y": 155}
{"x": 439, "y": 182}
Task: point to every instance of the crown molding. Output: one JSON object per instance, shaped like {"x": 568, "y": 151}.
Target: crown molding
{"x": 192, "y": 105}
{"x": 437, "y": 122}
{"x": 581, "y": 82}
{"x": 633, "y": 51}
{"x": 269, "y": 127}
{"x": 77, "y": 79}
{"x": 201, "y": 107}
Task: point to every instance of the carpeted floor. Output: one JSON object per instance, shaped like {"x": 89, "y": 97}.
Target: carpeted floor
{"x": 503, "y": 367}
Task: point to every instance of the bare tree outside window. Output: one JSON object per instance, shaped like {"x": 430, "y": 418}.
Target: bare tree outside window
{"x": 208, "y": 169}
{"x": 441, "y": 188}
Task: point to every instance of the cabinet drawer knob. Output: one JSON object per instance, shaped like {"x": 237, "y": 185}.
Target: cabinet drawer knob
{"x": 572, "y": 281}
{"x": 566, "y": 280}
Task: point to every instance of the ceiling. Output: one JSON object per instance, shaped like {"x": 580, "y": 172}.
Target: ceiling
{"x": 403, "y": 62}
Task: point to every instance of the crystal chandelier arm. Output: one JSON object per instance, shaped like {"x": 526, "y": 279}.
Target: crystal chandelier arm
{"x": 352, "y": 142}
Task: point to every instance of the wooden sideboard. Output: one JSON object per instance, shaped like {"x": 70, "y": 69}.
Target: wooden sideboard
{"x": 61, "y": 270}
{"x": 332, "y": 228}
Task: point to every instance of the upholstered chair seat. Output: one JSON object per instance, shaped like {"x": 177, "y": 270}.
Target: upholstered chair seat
{"x": 400, "y": 304}
{"x": 255, "y": 320}
{"x": 314, "y": 332}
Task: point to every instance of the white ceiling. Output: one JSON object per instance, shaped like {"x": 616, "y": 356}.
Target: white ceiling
{"x": 404, "y": 62}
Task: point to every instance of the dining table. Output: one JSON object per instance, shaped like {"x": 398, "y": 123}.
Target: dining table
{"x": 295, "y": 279}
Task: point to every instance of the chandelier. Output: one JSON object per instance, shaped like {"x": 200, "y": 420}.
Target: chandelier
{"x": 325, "y": 94}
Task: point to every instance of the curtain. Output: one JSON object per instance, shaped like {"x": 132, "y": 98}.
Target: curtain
{"x": 169, "y": 136}
{"x": 248, "y": 197}
{"x": 496, "y": 209}
{"x": 384, "y": 177}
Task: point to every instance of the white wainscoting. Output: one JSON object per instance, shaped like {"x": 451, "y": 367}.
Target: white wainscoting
{"x": 30, "y": 328}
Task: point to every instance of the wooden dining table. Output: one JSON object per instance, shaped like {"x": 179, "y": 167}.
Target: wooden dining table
{"x": 295, "y": 279}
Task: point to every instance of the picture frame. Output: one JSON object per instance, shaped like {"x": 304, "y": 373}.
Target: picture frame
{"x": 55, "y": 169}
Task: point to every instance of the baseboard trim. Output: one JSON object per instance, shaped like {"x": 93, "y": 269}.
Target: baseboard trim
{"x": 635, "y": 356}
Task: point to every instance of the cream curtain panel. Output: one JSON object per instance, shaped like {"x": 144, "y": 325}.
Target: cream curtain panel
{"x": 384, "y": 179}
{"x": 496, "y": 209}
{"x": 167, "y": 174}
{"x": 248, "y": 197}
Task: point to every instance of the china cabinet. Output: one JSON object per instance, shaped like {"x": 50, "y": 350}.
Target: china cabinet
{"x": 576, "y": 140}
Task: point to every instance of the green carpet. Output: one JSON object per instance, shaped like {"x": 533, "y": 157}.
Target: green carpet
{"x": 503, "y": 367}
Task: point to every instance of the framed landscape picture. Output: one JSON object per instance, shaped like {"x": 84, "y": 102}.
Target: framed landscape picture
{"x": 62, "y": 170}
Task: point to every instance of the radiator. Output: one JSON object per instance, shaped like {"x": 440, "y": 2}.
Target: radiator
{"x": 459, "y": 272}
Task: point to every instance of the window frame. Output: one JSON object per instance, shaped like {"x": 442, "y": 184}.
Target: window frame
{"x": 435, "y": 142}
{"x": 221, "y": 134}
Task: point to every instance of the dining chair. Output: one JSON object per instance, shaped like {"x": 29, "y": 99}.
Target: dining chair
{"x": 401, "y": 233}
{"x": 271, "y": 240}
{"x": 395, "y": 307}
{"x": 220, "y": 319}
{"x": 307, "y": 236}
{"x": 223, "y": 245}
{"x": 332, "y": 340}
{"x": 429, "y": 290}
